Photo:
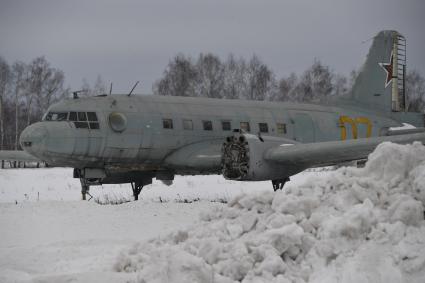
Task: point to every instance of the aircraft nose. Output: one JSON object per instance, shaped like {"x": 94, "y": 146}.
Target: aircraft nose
{"x": 33, "y": 138}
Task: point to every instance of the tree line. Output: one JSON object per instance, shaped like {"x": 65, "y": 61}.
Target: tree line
{"x": 237, "y": 78}
{"x": 28, "y": 89}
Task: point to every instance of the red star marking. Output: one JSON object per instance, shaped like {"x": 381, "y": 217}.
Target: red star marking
{"x": 388, "y": 68}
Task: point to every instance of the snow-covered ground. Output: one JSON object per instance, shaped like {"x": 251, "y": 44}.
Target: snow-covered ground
{"x": 347, "y": 225}
{"x": 43, "y": 184}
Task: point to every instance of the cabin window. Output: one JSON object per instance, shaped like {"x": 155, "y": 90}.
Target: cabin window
{"x": 245, "y": 126}
{"x": 264, "y": 128}
{"x": 207, "y": 125}
{"x": 167, "y": 123}
{"x": 187, "y": 124}
{"x": 281, "y": 128}
{"x": 226, "y": 126}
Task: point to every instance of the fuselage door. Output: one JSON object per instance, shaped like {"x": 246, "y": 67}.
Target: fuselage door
{"x": 124, "y": 136}
{"x": 303, "y": 128}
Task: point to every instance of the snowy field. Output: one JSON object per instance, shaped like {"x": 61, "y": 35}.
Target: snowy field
{"x": 347, "y": 225}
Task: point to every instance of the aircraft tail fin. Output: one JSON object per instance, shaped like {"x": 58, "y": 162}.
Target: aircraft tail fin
{"x": 380, "y": 84}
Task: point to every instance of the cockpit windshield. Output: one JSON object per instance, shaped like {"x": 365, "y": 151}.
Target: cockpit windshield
{"x": 83, "y": 120}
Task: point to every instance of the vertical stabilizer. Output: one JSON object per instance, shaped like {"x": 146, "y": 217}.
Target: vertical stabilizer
{"x": 380, "y": 83}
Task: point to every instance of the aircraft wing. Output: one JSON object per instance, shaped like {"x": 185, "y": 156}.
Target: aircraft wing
{"x": 204, "y": 156}
{"x": 333, "y": 152}
{"x": 17, "y": 155}
{"x": 248, "y": 157}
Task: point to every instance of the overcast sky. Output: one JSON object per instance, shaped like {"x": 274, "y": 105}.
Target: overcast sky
{"x": 125, "y": 41}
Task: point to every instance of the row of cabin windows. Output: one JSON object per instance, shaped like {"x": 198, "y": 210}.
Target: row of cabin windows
{"x": 225, "y": 126}
{"x": 82, "y": 120}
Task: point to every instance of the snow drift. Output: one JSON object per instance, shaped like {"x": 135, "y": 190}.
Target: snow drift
{"x": 354, "y": 225}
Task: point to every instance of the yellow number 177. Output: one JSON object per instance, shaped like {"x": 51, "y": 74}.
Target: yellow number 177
{"x": 344, "y": 120}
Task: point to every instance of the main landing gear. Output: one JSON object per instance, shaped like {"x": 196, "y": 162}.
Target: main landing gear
{"x": 278, "y": 184}
{"x": 138, "y": 186}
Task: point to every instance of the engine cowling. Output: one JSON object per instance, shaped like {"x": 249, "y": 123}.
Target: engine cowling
{"x": 243, "y": 158}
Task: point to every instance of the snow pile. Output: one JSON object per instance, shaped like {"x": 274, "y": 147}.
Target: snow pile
{"x": 355, "y": 225}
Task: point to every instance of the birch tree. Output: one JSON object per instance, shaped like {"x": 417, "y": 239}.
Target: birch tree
{"x": 179, "y": 78}
{"x": 19, "y": 81}
{"x": 234, "y": 82}
{"x": 415, "y": 90}
{"x": 209, "y": 76}
{"x": 4, "y": 81}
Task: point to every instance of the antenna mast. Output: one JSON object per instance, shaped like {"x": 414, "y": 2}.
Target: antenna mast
{"x": 75, "y": 93}
{"x": 133, "y": 88}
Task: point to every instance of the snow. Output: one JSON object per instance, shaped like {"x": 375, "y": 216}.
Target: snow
{"x": 405, "y": 126}
{"x": 347, "y": 225}
{"x": 28, "y": 185}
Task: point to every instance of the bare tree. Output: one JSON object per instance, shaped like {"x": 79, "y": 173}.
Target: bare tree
{"x": 352, "y": 79}
{"x": 415, "y": 90}
{"x": 315, "y": 83}
{"x": 210, "y": 76}
{"x": 179, "y": 78}
{"x": 99, "y": 86}
{"x": 19, "y": 82}
{"x": 44, "y": 85}
{"x": 4, "y": 81}
{"x": 37, "y": 73}
{"x": 286, "y": 88}
{"x": 340, "y": 86}
{"x": 86, "y": 88}
{"x": 260, "y": 80}
{"x": 235, "y": 84}
{"x": 52, "y": 90}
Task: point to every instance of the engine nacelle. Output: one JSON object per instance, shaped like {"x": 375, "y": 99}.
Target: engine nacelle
{"x": 243, "y": 158}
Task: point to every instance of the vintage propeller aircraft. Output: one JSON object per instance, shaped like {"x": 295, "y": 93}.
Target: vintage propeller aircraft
{"x": 133, "y": 139}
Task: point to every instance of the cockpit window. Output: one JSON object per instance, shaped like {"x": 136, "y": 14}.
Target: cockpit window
{"x": 82, "y": 120}
{"x": 82, "y": 125}
{"x": 92, "y": 116}
{"x": 72, "y": 116}
{"x": 82, "y": 116}
{"x": 57, "y": 116}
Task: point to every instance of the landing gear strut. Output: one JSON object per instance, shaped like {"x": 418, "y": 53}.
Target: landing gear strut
{"x": 85, "y": 187}
{"x": 138, "y": 186}
{"x": 278, "y": 184}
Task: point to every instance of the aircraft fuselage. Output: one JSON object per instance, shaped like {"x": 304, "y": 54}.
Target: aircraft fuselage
{"x": 180, "y": 134}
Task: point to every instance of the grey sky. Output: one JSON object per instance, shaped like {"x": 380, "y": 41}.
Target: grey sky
{"x": 125, "y": 41}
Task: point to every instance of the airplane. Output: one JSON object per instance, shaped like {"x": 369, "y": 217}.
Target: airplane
{"x": 111, "y": 139}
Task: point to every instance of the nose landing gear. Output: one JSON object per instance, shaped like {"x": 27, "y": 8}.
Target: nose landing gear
{"x": 97, "y": 176}
{"x": 85, "y": 188}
